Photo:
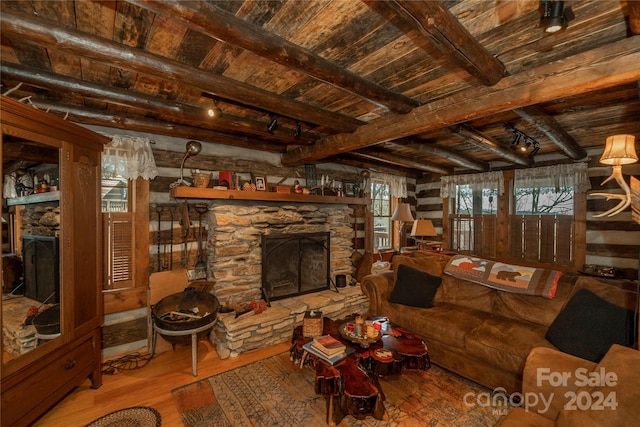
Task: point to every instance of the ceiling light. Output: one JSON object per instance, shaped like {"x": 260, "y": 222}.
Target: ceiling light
{"x": 554, "y": 16}
{"x": 298, "y": 131}
{"x": 214, "y": 111}
{"x": 530, "y": 144}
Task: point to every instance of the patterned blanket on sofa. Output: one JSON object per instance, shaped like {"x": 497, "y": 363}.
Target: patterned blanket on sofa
{"x": 505, "y": 277}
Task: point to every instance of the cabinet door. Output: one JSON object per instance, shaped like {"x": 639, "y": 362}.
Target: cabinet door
{"x": 82, "y": 169}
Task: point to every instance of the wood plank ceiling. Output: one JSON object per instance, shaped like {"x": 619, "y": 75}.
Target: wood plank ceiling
{"x": 399, "y": 86}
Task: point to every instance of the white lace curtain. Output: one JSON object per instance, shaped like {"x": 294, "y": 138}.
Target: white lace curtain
{"x": 130, "y": 157}
{"x": 477, "y": 181}
{"x": 573, "y": 175}
{"x": 397, "y": 184}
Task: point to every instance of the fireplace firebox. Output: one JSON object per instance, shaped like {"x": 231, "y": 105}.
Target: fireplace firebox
{"x": 295, "y": 264}
{"x": 41, "y": 260}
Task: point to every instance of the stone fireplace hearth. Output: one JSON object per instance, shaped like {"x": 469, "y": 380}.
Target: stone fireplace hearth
{"x": 234, "y": 256}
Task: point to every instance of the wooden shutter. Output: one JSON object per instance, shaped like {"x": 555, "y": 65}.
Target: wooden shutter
{"x": 489, "y": 233}
{"x": 119, "y": 244}
{"x": 515, "y": 236}
{"x": 547, "y": 238}
{"x": 564, "y": 240}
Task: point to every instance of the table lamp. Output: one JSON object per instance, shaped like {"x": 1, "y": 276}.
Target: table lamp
{"x": 423, "y": 228}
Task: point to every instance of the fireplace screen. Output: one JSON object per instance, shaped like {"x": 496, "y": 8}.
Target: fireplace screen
{"x": 294, "y": 264}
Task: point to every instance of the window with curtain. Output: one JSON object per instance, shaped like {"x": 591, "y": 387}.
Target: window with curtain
{"x": 124, "y": 160}
{"x": 540, "y": 210}
{"x": 386, "y": 189}
{"x": 473, "y": 201}
{"x": 381, "y": 209}
{"x": 542, "y": 218}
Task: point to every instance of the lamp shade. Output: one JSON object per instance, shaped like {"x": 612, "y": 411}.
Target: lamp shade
{"x": 423, "y": 227}
{"x": 619, "y": 150}
{"x": 402, "y": 213}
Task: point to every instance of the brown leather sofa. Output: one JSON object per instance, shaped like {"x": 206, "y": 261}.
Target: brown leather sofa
{"x": 563, "y": 390}
{"x": 478, "y": 332}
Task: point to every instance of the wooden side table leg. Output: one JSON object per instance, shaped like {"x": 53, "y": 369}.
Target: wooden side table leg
{"x": 330, "y": 406}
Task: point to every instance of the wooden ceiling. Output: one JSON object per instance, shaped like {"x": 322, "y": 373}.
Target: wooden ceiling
{"x": 399, "y": 86}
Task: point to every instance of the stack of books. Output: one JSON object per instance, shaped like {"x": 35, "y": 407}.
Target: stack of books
{"x": 328, "y": 349}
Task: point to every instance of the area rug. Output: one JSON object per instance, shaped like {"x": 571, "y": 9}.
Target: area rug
{"x": 137, "y": 416}
{"x": 272, "y": 392}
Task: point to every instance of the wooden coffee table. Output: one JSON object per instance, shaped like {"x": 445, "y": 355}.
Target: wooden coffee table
{"x": 351, "y": 386}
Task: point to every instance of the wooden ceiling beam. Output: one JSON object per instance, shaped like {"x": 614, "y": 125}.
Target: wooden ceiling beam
{"x": 403, "y": 161}
{"x": 226, "y": 27}
{"x": 634, "y": 17}
{"x": 357, "y": 161}
{"x": 175, "y": 112}
{"x": 22, "y": 152}
{"x": 539, "y": 118}
{"x": 135, "y": 123}
{"x": 600, "y": 68}
{"x": 433, "y": 24}
{"x": 452, "y": 156}
{"x": 137, "y": 60}
{"x": 484, "y": 142}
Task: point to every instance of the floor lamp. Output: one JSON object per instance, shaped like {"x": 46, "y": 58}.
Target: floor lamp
{"x": 402, "y": 214}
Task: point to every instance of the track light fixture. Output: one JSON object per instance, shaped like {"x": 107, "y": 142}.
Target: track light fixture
{"x": 273, "y": 123}
{"x": 554, "y": 16}
{"x": 215, "y": 111}
{"x": 529, "y": 144}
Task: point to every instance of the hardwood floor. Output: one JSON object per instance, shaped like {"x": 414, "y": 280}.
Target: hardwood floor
{"x": 148, "y": 386}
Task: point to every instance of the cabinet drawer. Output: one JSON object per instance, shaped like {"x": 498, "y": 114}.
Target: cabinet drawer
{"x": 46, "y": 381}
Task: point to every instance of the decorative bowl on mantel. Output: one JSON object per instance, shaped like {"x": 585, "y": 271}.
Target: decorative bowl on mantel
{"x": 363, "y": 341}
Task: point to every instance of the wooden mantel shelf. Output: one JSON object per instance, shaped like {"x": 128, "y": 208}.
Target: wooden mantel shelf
{"x": 47, "y": 196}
{"x": 264, "y": 196}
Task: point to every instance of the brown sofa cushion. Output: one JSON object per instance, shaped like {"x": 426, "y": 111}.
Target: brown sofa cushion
{"x": 429, "y": 264}
{"x": 534, "y": 309}
{"x": 445, "y": 323}
{"x": 505, "y": 344}
{"x": 466, "y": 294}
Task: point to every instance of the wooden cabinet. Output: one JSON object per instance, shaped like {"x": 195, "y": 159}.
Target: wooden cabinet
{"x": 35, "y": 381}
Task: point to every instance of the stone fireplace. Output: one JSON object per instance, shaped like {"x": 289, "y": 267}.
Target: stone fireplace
{"x": 238, "y": 230}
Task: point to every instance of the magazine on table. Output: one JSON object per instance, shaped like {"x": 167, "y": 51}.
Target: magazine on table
{"x": 308, "y": 347}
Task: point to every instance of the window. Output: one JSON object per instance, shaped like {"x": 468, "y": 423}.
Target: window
{"x": 115, "y": 194}
{"x": 541, "y": 222}
{"x": 118, "y": 233}
{"x": 381, "y": 206}
{"x": 473, "y": 225}
{"x": 539, "y": 213}
{"x": 473, "y": 205}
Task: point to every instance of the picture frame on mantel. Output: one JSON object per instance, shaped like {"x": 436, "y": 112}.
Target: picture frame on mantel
{"x": 261, "y": 182}
{"x": 350, "y": 189}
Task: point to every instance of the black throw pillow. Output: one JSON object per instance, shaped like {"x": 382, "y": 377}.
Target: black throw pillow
{"x": 589, "y": 325}
{"x": 414, "y": 287}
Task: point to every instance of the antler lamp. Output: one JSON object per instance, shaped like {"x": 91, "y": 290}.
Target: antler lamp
{"x": 619, "y": 150}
